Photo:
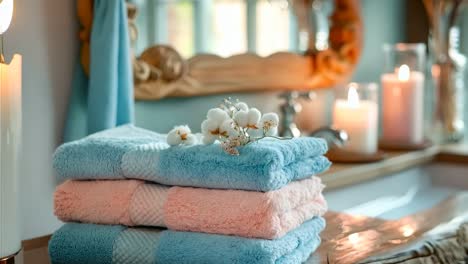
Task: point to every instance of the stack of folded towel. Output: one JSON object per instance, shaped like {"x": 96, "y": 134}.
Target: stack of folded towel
{"x": 262, "y": 206}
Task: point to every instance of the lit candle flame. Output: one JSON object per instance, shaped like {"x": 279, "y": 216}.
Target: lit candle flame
{"x": 404, "y": 73}
{"x": 6, "y": 14}
{"x": 353, "y": 96}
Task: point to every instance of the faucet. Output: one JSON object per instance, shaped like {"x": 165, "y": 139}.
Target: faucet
{"x": 289, "y": 109}
{"x": 335, "y": 137}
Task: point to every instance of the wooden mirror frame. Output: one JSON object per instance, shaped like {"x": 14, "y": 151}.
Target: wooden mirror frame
{"x": 161, "y": 72}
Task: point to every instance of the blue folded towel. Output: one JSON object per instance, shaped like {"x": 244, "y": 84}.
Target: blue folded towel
{"x": 89, "y": 243}
{"x": 131, "y": 152}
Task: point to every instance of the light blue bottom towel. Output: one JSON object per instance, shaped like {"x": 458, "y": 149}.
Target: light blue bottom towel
{"x": 89, "y": 243}
{"x": 130, "y": 152}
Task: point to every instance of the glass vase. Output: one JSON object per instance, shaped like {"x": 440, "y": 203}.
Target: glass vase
{"x": 448, "y": 70}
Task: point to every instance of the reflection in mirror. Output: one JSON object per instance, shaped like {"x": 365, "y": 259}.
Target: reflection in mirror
{"x": 319, "y": 49}
{"x": 221, "y": 27}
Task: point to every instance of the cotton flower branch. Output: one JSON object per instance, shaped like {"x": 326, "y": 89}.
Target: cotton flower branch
{"x": 234, "y": 124}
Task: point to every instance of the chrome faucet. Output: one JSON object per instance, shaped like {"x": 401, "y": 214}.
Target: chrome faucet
{"x": 289, "y": 110}
{"x": 334, "y": 137}
{"x": 291, "y": 107}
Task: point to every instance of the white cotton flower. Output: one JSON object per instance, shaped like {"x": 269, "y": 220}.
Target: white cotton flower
{"x": 241, "y": 118}
{"x": 248, "y": 119}
{"x": 271, "y": 118}
{"x": 228, "y": 128}
{"x": 178, "y": 135}
{"x": 208, "y": 125}
{"x": 210, "y": 131}
{"x": 269, "y": 123}
{"x": 217, "y": 114}
{"x": 213, "y": 128}
{"x": 254, "y": 117}
{"x": 242, "y": 106}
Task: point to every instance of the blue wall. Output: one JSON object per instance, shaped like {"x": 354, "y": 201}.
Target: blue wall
{"x": 384, "y": 22}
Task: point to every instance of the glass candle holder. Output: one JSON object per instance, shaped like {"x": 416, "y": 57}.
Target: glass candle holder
{"x": 449, "y": 66}
{"x": 403, "y": 94}
{"x": 356, "y": 111}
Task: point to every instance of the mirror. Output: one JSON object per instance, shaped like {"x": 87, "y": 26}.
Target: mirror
{"x": 221, "y": 27}
{"x": 330, "y": 48}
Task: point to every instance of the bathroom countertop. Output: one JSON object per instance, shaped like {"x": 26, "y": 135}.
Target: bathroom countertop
{"x": 351, "y": 239}
{"x": 341, "y": 174}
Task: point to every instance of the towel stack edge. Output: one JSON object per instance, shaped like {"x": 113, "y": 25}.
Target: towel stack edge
{"x": 114, "y": 244}
{"x": 128, "y": 152}
{"x": 263, "y": 206}
{"x": 231, "y": 212}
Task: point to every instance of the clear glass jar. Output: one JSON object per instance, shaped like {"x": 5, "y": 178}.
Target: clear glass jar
{"x": 448, "y": 66}
{"x": 411, "y": 54}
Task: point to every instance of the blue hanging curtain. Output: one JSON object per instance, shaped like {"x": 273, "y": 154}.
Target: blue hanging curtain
{"x": 104, "y": 99}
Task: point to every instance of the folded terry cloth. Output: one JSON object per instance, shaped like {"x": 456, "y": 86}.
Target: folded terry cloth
{"x": 231, "y": 212}
{"x": 131, "y": 152}
{"x": 90, "y": 243}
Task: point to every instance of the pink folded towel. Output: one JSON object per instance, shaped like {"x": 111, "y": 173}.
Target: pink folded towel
{"x": 231, "y": 212}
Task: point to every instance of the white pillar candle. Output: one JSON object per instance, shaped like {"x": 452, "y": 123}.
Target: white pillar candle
{"x": 359, "y": 119}
{"x": 10, "y": 135}
{"x": 402, "y": 110}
